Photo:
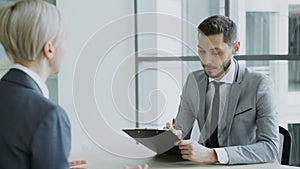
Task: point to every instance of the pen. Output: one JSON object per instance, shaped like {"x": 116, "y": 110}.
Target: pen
{"x": 173, "y": 122}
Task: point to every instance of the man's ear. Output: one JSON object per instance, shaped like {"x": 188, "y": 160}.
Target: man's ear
{"x": 236, "y": 47}
{"x": 48, "y": 50}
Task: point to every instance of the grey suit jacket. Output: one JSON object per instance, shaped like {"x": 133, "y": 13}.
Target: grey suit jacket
{"x": 34, "y": 132}
{"x": 252, "y": 126}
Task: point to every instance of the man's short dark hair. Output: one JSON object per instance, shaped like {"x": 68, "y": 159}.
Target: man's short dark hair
{"x": 219, "y": 24}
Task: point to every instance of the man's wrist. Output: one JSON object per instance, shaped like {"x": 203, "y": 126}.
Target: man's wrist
{"x": 213, "y": 156}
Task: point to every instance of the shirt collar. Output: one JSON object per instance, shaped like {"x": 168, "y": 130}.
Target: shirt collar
{"x": 35, "y": 77}
{"x": 229, "y": 76}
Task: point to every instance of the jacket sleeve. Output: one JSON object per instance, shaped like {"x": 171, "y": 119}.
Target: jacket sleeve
{"x": 186, "y": 115}
{"x": 266, "y": 148}
{"x": 51, "y": 143}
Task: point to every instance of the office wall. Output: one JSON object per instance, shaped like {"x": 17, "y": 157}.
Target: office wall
{"x": 88, "y": 76}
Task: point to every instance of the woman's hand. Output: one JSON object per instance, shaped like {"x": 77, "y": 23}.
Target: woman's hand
{"x": 73, "y": 164}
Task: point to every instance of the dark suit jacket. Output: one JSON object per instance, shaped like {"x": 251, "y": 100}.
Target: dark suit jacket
{"x": 34, "y": 132}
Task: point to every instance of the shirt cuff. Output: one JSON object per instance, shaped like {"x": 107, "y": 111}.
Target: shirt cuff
{"x": 222, "y": 155}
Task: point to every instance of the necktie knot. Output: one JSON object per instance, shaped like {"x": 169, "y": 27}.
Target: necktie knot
{"x": 217, "y": 84}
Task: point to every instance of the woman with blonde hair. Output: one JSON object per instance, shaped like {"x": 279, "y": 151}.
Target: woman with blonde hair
{"x": 34, "y": 131}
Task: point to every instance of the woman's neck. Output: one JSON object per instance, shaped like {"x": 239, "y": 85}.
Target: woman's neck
{"x": 38, "y": 67}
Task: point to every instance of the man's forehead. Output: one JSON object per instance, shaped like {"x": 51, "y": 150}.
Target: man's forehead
{"x": 211, "y": 41}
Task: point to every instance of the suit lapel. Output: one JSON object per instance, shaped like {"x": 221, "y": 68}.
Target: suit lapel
{"x": 202, "y": 87}
{"x": 234, "y": 96}
{"x": 19, "y": 77}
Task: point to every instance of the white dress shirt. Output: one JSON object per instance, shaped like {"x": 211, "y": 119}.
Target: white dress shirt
{"x": 35, "y": 77}
{"x": 224, "y": 92}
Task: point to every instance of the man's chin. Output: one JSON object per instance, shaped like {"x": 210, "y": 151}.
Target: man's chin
{"x": 209, "y": 74}
{"x": 213, "y": 75}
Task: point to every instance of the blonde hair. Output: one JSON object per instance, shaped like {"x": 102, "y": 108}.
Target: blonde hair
{"x": 26, "y": 26}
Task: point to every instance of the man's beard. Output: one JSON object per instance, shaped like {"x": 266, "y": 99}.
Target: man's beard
{"x": 225, "y": 67}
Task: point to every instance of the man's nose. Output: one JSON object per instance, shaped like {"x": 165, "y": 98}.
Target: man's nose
{"x": 208, "y": 59}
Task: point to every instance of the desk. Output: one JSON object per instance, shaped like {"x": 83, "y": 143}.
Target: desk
{"x": 99, "y": 159}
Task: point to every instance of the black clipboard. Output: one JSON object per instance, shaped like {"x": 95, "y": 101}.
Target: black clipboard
{"x": 157, "y": 140}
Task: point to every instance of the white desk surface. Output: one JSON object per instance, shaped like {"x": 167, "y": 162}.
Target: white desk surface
{"x": 99, "y": 159}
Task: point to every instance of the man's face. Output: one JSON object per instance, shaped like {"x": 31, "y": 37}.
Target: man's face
{"x": 215, "y": 54}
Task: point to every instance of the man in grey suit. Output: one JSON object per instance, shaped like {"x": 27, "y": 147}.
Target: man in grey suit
{"x": 234, "y": 106}
{"x": 34, "y": 131}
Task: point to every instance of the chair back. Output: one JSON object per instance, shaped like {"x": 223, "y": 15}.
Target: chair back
{"x": 285, "y": 146}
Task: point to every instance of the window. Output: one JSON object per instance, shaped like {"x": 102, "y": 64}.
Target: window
{"x": 258, "y": 38}
{"x": 294, "y": 47}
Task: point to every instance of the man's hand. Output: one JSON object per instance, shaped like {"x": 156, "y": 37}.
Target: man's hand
{"x": 192, "y": 150}
{"x": 145, "y": 166}
{"x": 171, "y": 127}
{"x": 73, "y": 164}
